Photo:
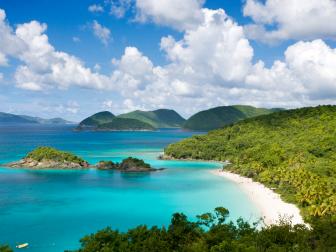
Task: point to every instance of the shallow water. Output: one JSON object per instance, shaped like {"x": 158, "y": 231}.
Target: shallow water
{"x": 52, "y": 210}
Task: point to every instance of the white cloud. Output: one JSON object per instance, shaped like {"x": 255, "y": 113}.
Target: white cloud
{"x": 72, "y": 107}
{"x": 108, "y": 104}
{"x": 101, "y": 32}
{"x": 175, "y": 13}
{"x": 3, "y": 60}
{"x": 314, "y": 64}
{"x": 96, "y": 8}
{"x": 308, "y": 73}
{"x": 120, "y": 7}
{"x": 10, "y": 44}
{"x": 42, "y": 66}
{"x": 292, "y": 19}
{"x": 210, "y": 65}
{"x": 216, "y": 50}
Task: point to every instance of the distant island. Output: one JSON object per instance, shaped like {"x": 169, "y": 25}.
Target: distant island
{"x": 160, "y": 118}
{"x": 136, "y": 120}
{"x": 219, "y": 117}
{"x": 124, "y": 124}
{"x": 7, "y": 118}
{"x": 106, "y": 121}
{"x": 51, "y": 158}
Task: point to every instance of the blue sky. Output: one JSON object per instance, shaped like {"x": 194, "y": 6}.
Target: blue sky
{"x": 151, "y": 75}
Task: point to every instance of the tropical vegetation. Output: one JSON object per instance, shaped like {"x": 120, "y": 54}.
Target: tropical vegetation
{"x": 292, "y": 151}
{"x": 96, "y": 119}
{"x": 125, "y": 124}
{"x": 127, "y": 164}
{"x": 214, "y": 233}
{"x": 218, "y": 117}
{"x": 160, "y": 118}
{"x": 45, "y": 153}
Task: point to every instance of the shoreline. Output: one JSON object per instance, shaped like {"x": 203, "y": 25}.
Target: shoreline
{"x": 270, "y": 204}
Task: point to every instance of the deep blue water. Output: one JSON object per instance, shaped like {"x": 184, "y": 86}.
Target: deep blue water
{"x": 52, "y": 209}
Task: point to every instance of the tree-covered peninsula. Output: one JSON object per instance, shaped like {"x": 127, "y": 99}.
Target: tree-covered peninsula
{"x": 292, "y": 151}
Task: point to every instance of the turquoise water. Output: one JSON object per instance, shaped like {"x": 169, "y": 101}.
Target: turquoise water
{"x": 52, "y": 210}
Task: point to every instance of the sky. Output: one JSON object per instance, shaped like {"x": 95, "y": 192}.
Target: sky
{"x": 71, "y": 58}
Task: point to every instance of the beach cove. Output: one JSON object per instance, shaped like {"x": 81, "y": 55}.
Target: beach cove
{"x": 272, "y": 207}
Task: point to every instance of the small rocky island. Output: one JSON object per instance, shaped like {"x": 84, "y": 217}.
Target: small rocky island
{"x": 51, "y": 158}
{"x": 127, "y": 165}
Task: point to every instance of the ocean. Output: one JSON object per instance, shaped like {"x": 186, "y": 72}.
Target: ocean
{"x": 53, "y": 209}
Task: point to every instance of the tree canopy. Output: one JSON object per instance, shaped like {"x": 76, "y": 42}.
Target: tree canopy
{"x": 293, "y": 151}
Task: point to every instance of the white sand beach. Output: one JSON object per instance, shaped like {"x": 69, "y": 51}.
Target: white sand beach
{"x": 272, "y": 207}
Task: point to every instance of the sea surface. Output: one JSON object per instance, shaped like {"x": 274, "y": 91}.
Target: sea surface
{"x": 52, "y": 210}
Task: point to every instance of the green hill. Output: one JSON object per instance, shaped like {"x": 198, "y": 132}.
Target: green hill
{"x": 96, "y": 119}
{"x": 220, "y": 116}
{"x": 293, "y": 151}
{"x": 161, "y": 118}
{"x": 125, "y": 124}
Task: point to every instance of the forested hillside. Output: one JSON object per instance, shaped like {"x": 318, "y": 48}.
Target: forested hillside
{"x": 293, "y": 151}
{"x": 218, "y": 117}
{"x": 160, "y": 118}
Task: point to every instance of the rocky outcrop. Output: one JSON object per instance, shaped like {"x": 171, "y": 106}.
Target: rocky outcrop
{"x": 47, "y": 164}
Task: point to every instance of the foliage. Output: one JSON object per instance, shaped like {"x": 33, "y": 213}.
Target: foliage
{"x": 126, "y": 164}
{"x": 5, "y": 248}
{"x": 212, "y": 233}
{"x": 218, "y": 117}
{"x": 131, "y": 162}
{"x": 293, "y": 151}
{"x": 125, "y": 124}
{"x": 96, "y": 119}
{"x": 49, "y": 153}
{"x": 161, "y": 118}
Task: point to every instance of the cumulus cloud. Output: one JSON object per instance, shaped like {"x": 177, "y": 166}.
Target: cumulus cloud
{"x": 210, "y": 65}
{"x": 42, "y": 66}
{"x": 96, "y": 8}
{"x": 307, "y": 72}
{"x": 101, "y": 32}
{"x": 174, "y": 13}
{"x": 291, "y": 19}
{"x": 216, "y": 49}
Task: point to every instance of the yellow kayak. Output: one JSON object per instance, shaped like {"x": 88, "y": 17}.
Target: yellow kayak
{"x": 23, "y": 245}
